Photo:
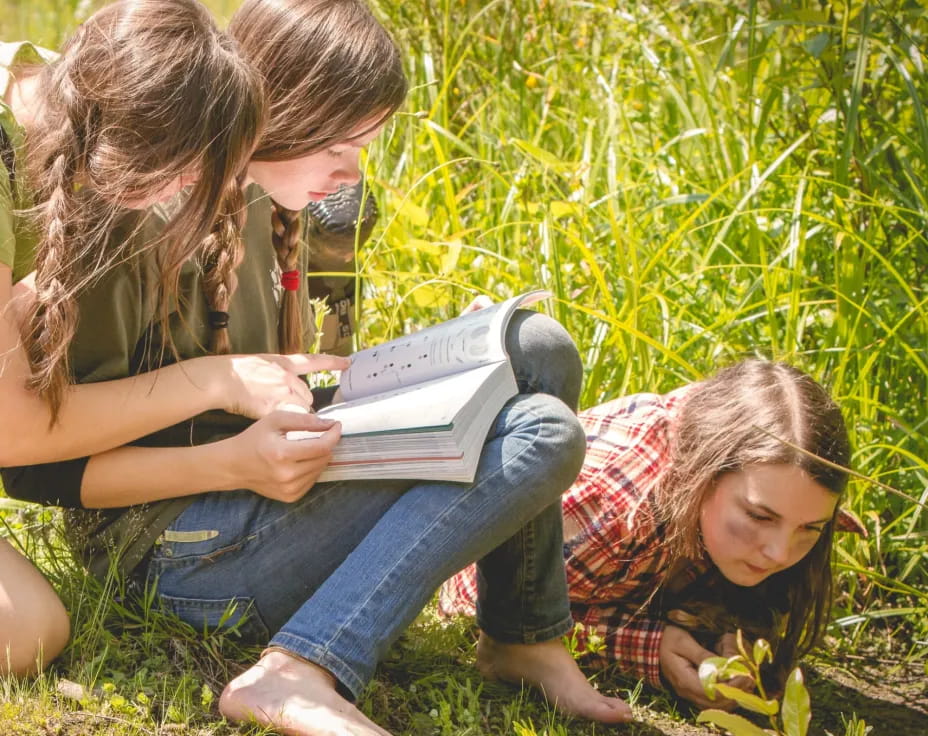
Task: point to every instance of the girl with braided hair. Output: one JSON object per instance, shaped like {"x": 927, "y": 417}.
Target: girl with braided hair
{"x": 147, "y": 97}
{"x": 225, "y": 520}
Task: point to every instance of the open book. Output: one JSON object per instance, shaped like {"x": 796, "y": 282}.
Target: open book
{"x": 421, "y": 406}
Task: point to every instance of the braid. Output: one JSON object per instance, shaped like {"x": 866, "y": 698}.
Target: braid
{"x": 61, "y": 220}
{"x": 53, "y": 317}
{"x": 223, "y": 251}
{"x": 287, "y": 229}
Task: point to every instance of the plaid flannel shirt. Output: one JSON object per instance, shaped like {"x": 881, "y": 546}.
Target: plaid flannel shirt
{"x": 613, "y": 548}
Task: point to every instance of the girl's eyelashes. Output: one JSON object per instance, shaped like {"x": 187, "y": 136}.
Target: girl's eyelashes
{"x": 761, "y": 518}
{"x": 335, "y": 153}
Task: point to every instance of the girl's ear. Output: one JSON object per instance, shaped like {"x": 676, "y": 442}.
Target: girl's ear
{"x": 846, "y": 521}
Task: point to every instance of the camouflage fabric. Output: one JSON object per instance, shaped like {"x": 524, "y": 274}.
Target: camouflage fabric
{"x": 337, "y": 227}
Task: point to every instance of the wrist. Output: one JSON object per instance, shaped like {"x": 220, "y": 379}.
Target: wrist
{"x": 220, "y": 462}
{"x": 212, "y": 377}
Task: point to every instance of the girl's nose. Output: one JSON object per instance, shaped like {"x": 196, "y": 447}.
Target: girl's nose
{"x": 349, "y": 170}
{"x": 776, "y": 548}
{"x": 348, "y": 175}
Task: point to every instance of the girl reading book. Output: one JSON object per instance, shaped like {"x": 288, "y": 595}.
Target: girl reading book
{"x": 224, "y": 518}
{"x": 145, "y": 98}
{"x": 697, "y": 513}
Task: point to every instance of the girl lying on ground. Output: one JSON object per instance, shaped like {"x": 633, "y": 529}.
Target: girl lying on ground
{"x": 146, "y": 97}
{"x": 699, "y": 512}
{"x": 328, "y": 574}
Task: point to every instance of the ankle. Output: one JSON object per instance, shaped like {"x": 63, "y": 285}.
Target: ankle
{"x": 276, "y": 659}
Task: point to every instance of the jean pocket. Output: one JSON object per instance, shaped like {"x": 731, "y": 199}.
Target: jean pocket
{"x": 238, "y": 615}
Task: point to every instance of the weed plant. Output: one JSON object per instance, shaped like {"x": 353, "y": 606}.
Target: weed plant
{"x": 696, "y": 182}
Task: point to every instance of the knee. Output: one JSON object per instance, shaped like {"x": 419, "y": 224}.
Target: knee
{"x": 34, "y": 626}
{"x": 541, "y": 348}
{"x": 52, "y": 636}
{"x": 30, "y": 645}
{"x": 567, "y": 446}
{"x": 574, "y": 448}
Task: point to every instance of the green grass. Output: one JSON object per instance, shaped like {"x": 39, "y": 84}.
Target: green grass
{"x": 696, "y": 182}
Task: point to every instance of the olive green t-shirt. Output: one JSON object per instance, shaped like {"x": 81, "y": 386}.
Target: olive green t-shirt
{"x": 119, "y": 335}
{"x": 17, "y": 241}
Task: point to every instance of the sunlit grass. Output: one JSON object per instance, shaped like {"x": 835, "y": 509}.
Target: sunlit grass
{"x": 696, "y": 183}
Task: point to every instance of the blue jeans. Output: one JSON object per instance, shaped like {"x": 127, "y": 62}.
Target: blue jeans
{"x": 338, "y": 575}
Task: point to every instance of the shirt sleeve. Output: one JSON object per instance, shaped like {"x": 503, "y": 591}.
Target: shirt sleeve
{"x": 615, "y": 557}
{"x": 628, "y": 639}
{"x": 458, "y": 594}
{"x": 52, "y": 484}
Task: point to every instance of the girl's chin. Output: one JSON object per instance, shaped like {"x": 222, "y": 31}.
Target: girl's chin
{"x": 745, "y": 575}
{"x": 294, "y": 204}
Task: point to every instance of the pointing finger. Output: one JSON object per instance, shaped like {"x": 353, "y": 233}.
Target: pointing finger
{"x": 303, "y": 363}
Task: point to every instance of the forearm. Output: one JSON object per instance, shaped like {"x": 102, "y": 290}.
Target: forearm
{"x": 98, "y": 416}
{"x": 260, "y": 458}
{"x": 132, "y": 475}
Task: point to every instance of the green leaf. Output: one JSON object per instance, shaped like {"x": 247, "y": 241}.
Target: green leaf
{"x": 426, "y": 295}
{"x": 737, "y": 725}
{"x": 561, "y": 209}
{"x": 750, "y": 701}
{"x": 796, "y": 710}
{"x": 762, "y": 651}
{"x": 709, "y": 670}
{"x": 410, "y": 212}
{"x": 542, "y": 156}
{"x": 735, "y": 666}
{"x": 449, "y": 260}
{"x": 817, "y": 44}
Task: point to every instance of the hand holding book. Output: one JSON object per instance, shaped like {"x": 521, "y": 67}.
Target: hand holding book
{"x": 420, "y": 406}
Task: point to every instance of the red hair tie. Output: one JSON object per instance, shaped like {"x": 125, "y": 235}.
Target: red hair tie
{"x": 290, "y": 280}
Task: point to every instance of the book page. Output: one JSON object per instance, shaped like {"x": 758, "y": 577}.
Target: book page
{"x": 431, "y": 405}
{"x": 463, "y": 343}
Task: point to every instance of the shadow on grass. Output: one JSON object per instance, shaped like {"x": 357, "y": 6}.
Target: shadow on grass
{"x": 890, "y": 702}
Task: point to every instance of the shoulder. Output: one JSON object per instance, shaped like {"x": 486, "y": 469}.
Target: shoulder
{"x": 12, "y": 55}
{"x": 24, "y": 52}
{"x": 621, "y": 425}
{"x": 628, "y": 445}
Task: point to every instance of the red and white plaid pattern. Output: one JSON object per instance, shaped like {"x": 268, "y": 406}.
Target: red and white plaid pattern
{"x": 613, "y": 548}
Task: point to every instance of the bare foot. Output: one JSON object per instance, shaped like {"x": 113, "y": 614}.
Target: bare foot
{"x": 549, "y": 667}
{"x": 295, "y": 698}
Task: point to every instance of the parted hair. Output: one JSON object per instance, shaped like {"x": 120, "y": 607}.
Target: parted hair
{"x": 143, "y": 92}
{"x": 759, "y": 412}
{"x": 328, "y": 67}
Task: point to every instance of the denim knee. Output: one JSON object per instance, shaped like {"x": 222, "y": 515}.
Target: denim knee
{"x": 544, "y": 357}
{"x": 567, "y": 444}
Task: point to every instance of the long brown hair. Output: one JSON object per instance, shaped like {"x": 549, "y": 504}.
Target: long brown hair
{"x": 328, "y": 66}
{"x": 740, "y": 417}
{"x": 143, "y": 92}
